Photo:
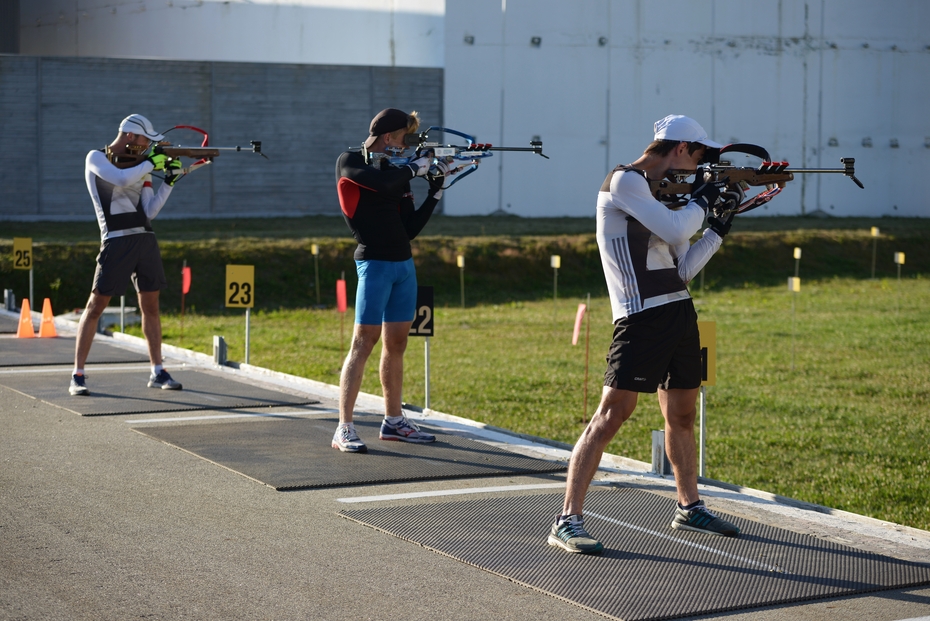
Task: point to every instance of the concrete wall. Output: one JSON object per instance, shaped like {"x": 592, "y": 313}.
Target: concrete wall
{"x": 402, "y": 33}
{"x": 54, "y": 110}
{"x": 813, "y": 81}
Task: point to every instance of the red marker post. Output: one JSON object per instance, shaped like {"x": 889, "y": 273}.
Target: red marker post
{"x": 185, "y": 289}
{"x": 341, "y": 306}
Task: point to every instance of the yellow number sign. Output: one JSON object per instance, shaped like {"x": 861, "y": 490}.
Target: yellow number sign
{"x": 22, "y": 253}
{"x": 240, "y": 286}
{"x": 708, "y": 330}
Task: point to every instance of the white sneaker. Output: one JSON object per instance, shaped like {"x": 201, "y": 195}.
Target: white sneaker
{"x": 346, "y": 440}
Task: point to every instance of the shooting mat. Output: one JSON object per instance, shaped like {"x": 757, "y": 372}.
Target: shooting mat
{"x": 16, "y": 352}
{"x": 296, "y": 453}
{"x": 648, "y": 570}
{"x": 118, "y": 391}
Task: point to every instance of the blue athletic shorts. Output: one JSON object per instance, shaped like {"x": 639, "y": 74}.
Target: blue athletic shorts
{"x": 387, "y": 292}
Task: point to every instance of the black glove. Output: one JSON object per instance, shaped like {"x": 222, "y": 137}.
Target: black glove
{"x": 729, "y": 201}
{"x": 721, "y": 227}
{"x": 708, "y": 193}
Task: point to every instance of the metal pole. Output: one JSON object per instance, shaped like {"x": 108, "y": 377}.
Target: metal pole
{"x": 31, "y": 301}
{"x": 702, "y": 466}
{"x": 426, "y": 380}
{"x": 122, "y": 313}
{"x": 247, "y": 315}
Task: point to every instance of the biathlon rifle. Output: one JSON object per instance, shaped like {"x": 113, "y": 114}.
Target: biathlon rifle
{"x": 462, "y": 156}
{"x": 675, "y": 191}
{"x": 203, "y": 154}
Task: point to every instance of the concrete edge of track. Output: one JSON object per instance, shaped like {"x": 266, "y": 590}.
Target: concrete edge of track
{"x": 864, "y": 532}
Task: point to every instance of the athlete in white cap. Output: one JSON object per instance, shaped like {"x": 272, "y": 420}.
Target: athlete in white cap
{"x": 648, "y": 260}
{"x": 125, "y": 203}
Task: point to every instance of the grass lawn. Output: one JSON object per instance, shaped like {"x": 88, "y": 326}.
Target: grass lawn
{"x": 822, "y": 396}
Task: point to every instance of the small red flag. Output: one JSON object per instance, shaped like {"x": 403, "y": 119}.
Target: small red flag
{"x": 185, "y": 280}
{"x": 578, "y": 317}
{"x": 341, "y": 296}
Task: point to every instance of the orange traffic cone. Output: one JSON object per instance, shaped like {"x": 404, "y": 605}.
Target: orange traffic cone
{"x": 47, "y": 327}
{"x": 25, "y": 329}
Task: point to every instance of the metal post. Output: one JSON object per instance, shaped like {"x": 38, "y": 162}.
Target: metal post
{"x": 426, "y": 376}
{"x": 122, "y": 314}
{"x": 702, "y": 465}
{"x": 247, "y": 315}
{"x": 460, "y": 260}
{"x": 31, "y": 301}
{"x": 875, "y": 234}
{"x": 315, "y": 249}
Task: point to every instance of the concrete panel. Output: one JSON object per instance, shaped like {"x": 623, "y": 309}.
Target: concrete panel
{"x": 305, "y": 115}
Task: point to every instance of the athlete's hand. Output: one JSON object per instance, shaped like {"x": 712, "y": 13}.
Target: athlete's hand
{"x": 729, "y": 200}
{"x": 721, "y": 225}
{"x": 173, "y": 172}
{"x": 421, "y": 165}
{"x": 707, "y": 194}
{"x": 158, "y": 159}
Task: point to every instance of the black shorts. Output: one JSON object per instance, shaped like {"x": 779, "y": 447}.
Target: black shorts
{"x": 134, "y": 257}
{"x": 656, "y": 347}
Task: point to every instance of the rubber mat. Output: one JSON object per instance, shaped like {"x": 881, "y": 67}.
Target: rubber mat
{"x": 296, "y": 453}
{"x": 647, "y": 570}
{"x": 115, "y": 391}
{"x": 60, "y": 350}
{"x": 8, "y": 325}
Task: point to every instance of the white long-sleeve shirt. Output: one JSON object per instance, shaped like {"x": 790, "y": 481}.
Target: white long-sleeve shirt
{"x": 123, "y": 197}
{"x": 645, "y": 246}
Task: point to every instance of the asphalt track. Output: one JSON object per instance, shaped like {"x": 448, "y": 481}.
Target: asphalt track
{"x": 100, "y": 521}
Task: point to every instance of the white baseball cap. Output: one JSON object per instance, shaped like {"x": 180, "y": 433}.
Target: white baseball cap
{"x": 138, "y": 124}
{"x": 683, "y": 129}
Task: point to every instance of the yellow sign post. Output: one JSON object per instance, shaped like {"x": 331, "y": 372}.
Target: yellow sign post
{"x": 708, "y": 335}
{"x": 240, "y": 293}
{"x": 23, "y": 260}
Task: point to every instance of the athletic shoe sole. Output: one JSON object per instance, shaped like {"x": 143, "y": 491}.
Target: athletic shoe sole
{"x": 555, "y": 541}
{"x": 407, "y": 439}
{"x": 680, "y": 526}
{"x": 348, "y": 449}
{"x": 78, "y": 392}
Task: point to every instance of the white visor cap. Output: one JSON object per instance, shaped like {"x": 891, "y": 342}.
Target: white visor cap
{"x": 683, "y": 129}
{"x": 138, "y": 124}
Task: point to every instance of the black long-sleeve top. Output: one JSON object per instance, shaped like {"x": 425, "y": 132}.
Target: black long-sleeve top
{"x": 377, "y": 204}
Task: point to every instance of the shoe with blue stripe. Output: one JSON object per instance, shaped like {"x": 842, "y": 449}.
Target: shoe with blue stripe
{"x": 569, "y": 533}
{"x": 700, "y": 520}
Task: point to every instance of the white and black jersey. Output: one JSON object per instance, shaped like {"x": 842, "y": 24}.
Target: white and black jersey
{"x": 645, "y": 246}
{"x": 123, "y": 197}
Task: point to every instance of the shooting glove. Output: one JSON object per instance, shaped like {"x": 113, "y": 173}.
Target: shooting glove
{"x": 721, "y": 225}
{"x": 173, "y": 172}
{"x": 436, "y": 178}
{"x": 729, "y": 201}
{"x": 421, "y": 165}
{"x": 158, "y": 159}
{"x": 707, "y": 194}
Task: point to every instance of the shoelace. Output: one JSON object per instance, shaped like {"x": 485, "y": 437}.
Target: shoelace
{"x": 348, "y": 434}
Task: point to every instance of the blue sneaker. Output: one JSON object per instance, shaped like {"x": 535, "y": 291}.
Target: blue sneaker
{"x": 404, "y": 431}
{"x": 701, "y": 520}
{"x": 163, "y": 381}
{"x": 78, "y": 387}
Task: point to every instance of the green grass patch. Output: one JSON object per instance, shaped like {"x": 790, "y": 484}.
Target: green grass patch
{"x": 821, "y": 396}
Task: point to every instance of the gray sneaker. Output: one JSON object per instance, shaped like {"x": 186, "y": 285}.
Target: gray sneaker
{"x": 569, "y": 534}
{"x": 163, "y": 381}
{"x": 346, "y": 440}
{"x": 78, "y": 387}
{"x": 701, "y": 520}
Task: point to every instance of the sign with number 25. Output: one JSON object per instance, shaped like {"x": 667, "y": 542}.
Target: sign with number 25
{"x": 240, "y": 286}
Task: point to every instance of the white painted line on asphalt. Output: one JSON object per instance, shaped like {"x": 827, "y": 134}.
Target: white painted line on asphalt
{"x": 451, "y": 492}
{"x": 95, "y": 369}
{"x": 239, "y": 415}
{"x": 741, "y": 559}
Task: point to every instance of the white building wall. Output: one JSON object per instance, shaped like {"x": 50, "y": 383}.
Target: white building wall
{"x": 403, "y": 33}
{"x": 811, "y": 81}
